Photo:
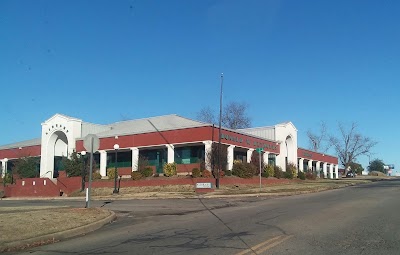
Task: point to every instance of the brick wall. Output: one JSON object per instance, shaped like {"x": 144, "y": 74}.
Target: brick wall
{"x": 186, "y": 168}
{"x": 32, "y": 187}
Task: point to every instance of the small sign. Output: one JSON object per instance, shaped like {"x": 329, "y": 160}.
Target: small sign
{"x": 259, "y": 150}
{"x": 203, "y": 185}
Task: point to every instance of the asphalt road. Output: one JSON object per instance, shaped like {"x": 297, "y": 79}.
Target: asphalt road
{"x": 356, "y": 220}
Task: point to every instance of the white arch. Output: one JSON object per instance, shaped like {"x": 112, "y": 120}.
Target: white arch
{"x": 57, "y": 144}
{"x": 58, "y": 139}
{"x": 286, "y": 134}
{"x": 289, "y": 148}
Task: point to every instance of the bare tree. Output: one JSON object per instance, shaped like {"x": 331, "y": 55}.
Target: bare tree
{"x": 234, "y": 116}
{"x": 207, "y": 115}
{"x": 351, "y": 145}
{"x": 319, "y": 142}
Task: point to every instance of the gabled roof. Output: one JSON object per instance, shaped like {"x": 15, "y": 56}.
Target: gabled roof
{"x": 288, "y": 123}
{"x": 152, "y": 124}
{"x": 62, "y": 116}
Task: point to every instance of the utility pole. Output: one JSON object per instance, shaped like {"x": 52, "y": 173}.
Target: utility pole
{"x": 219, "y": 133}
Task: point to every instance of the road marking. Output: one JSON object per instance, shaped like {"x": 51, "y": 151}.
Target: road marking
{"x": 268, "y": 244}
{"x": 273, "y": 244}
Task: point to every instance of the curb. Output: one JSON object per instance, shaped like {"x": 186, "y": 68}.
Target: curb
{"x": 54, "y": 237}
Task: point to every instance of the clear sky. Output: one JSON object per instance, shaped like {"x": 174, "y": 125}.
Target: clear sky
{"x": 106, "y": 61}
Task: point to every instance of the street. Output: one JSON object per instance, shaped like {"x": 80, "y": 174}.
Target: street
{"x": 361, "y": 219}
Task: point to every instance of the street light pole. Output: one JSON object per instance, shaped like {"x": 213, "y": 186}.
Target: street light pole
{"x": 83, "y": 154}
{"x": 116, "y": 147}
{"x": 219, "y": 132}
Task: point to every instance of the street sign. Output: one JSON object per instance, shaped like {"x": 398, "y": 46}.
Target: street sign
{"x": 259, "y": 150}
{"x": 91, "y": 145}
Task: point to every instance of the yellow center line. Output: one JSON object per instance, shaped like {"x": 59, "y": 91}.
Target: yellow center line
{"x": 272, "y": 245}
{"x": 258, "y": 246}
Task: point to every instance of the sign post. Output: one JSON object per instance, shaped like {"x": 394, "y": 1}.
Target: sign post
{"x": 260, "y": 150}
{"x": 91, "y": 144}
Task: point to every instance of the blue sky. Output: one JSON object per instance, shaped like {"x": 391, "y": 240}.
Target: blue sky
{"x": 300, "y": 61}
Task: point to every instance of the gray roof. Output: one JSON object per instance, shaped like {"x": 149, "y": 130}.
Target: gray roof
{"x": 26, "y": 143}
{"x": 152, "y": 124}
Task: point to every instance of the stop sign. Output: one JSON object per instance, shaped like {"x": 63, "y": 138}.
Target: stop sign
{"x": 91, "y": 143}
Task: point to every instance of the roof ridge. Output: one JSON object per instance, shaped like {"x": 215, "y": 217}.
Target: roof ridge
{"x": 146, "y": 118}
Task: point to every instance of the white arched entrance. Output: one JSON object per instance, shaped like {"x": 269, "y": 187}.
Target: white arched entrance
{"x": 58, "y": 140}
{"x": 289, "y": 148}
{"x": 286, "y": 134}
{"x": 57, "y": 148}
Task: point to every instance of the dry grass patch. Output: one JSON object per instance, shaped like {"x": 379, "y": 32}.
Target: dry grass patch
{"x": 161, "y": 190}
{"x": 294, "y": 187}
{"x": 27, "y": 208}
{"x": 30, "y": 223}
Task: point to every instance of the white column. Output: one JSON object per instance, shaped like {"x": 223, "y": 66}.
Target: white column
{"x": 171, "y": 153}
{"x": 230, "y": 157}
{"x": 310, "y": 165}
{"x": 265, "y": 158}
{"x": 103, "y": 163}
{"x": 324, "y": 167}
{"x": 3, "y": 168}
{"x": 336, "y": 171}
{"x": 208, "y": 151}
{"x": 135, "y": 158}
{"x": 318, "y": 168}
{"x": 301, "y": 165}
{"x": 249, "y": 153}
{"x": 330, "y": 171}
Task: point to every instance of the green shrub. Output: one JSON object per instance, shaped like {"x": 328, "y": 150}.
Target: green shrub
{"x": 278, "y": 173}
{"x": 228, "y": 172}
{"x": 287, "y": 175}
{"x": 147, "y": 171}
{"x": 376, "y": 173}
{"x": 169, "y": 169}
{"x": 291, "y": 171}
{"x": 206, "y": 174}
{"x": 111, "y": 173}
{"x": 8, "y": 178}
{"x": 136, "y": 175}
{"x": 268, "y": 171}
{"x": 311, "y": 176}
{"x": 96, "y": 176}
{"x": 264, "y": 174}
{"x": 196, "y": 173}
{"x": 302, "y": 175}
{"x": 244, "y": 170}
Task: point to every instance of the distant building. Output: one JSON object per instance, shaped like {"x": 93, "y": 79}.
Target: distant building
{"x": 164, "y": 139}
